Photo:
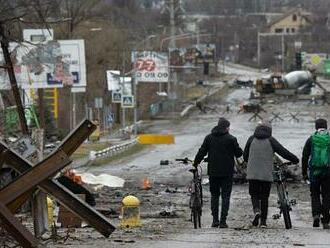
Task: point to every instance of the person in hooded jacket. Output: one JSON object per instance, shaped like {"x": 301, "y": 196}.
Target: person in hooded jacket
{"x": 221, "y": 148}
{"x": 259, "y": 153}
{"x": 315, "y": 160}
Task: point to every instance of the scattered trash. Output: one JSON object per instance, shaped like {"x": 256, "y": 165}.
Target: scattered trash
{"x": 123, "y": 241}
{"x": 243, "y": 228}
{"x": 168, "y": 211}
{"x": 205, "y": 181}
{"x": 108, "y": 212}
{"x": 103, "y": 179}
{"x": 167, "y": 190}
{"x": 164, "y": 162}
{"x": 165, "y": 213}
{"x": 146, "y": 184}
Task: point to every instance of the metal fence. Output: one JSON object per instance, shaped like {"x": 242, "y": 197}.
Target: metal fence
{"x": 112, "y": 150}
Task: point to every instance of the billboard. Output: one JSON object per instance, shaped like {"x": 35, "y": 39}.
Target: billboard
{"x": 150, "y": 66}
{"x": 314, "y": 61}
{"x": 119, "y": 83}
{"x": 53, "y": 64}
{"x": 113, "y": 80}
{"x": 205, "y": 53}
{"x": 196, "y": 54}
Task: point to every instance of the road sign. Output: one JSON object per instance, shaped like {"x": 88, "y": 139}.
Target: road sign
{"x": 127, "y": 102}
{"x": 98, "y": 102}
{"x": 116, "y": 96}
{"x": 110, "y": 118}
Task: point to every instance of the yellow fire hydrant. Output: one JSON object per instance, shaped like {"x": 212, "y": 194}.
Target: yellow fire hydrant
{"x": 130, "y": 212}
{"x": 50, "y": 206}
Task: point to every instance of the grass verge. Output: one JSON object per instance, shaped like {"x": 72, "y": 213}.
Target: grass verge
{"x": 85, "y": 148}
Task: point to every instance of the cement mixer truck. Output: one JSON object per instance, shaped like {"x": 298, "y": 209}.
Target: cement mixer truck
{"x": 302, "y": 81}
{"x": 291, "y": 83}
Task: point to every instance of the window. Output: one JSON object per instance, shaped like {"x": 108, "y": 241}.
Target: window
{"x": 293, "y": 30}
{"x": 294, "y": 17}
{"x": 278, "y": 30}
{"x": 288, "y": 30}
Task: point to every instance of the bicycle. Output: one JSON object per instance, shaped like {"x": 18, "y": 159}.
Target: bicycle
{"x": 284, "y": 202}
{"x": 196, "y": 193}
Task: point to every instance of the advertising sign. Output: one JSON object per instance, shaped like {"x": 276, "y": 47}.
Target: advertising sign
{"x": 113, "y": 80}
{"x": 314, "y": 61}
{"x": 205, "y": 53}
{"x": 127, "y": 102}
{"x": 150, "y": 66}
{"x": 116, "y": 82}
{"x": 53, "y": 64}
{"x": 192, "y": 55}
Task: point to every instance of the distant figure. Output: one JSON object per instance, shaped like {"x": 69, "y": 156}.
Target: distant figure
{"x": 221, "y": 149}
{"x": 316, "y": 158}
{"x": 200, "y": 106}
{"x": 258, "y": 153}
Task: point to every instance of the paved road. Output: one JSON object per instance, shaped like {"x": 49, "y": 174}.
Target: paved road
{"x": 189, "y": 136}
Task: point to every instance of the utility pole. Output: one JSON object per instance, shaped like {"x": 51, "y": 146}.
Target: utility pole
{"x": 283, "y": 52}
{"x": 172, "y": 44}
{"x": 173, "y": 7}
{"x": 13, "y": 82}
{"x": 258, "y": 52}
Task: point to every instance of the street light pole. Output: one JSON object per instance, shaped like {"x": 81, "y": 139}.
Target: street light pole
{"x": 135, "y": 102}
{"x": 258, "y": 50}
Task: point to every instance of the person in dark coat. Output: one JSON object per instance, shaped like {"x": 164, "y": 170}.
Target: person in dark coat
{"x": 316, "y": 160}
{"x": 259, "y": 154}
{"x": 221, "y": 148}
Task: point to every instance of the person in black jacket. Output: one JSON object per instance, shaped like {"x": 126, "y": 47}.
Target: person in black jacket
{"x": 221, "y": 148}
{"x": 259, "y": 153}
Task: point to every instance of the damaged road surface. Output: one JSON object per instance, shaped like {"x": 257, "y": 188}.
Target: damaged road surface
{"x": 176, "y": 230}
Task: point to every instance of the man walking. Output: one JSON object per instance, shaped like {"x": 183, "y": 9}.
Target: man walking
{"x": 315, "y": 157}
{"x": 258, "y": 153}
{"x": 221, "y": 148}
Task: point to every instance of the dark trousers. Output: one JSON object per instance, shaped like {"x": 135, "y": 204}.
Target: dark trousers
{"x": 223, "y": 186}
{"x": 320, "y": 186}
{"x": 259, "y": 192}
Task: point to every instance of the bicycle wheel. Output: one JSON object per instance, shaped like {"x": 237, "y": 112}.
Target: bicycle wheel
{"x": 285, "y": 208}
{"x": 286, "y": 216}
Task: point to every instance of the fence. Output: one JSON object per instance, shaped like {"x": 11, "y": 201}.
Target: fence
{"x": 112, "y": 150}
